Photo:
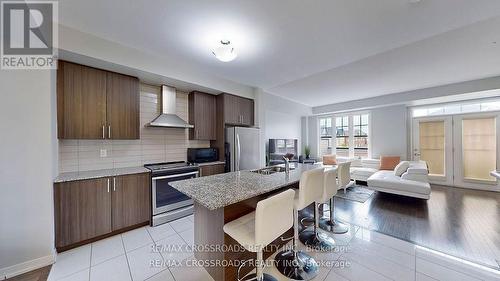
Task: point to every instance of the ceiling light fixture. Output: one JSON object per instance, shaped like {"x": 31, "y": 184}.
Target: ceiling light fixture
{"x": 224, "y": 51}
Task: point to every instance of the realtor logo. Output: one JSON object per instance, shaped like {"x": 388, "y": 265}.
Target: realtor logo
{"x": 29, "y": 34}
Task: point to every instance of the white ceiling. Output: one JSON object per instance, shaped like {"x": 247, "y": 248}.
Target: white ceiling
{"x": 313, "y": 52}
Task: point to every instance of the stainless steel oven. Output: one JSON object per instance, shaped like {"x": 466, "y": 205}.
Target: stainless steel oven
{"x": 167, "y": 203}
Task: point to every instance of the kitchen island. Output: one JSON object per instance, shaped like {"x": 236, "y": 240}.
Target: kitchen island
{"x": 222, "y": 198}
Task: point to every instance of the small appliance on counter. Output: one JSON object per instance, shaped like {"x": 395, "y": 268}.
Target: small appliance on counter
{"x": 202, "y": 155}
{"x": 168, "y": 204}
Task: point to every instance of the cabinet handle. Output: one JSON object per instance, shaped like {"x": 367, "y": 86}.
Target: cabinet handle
{"x": 114, "y": 184}
{"x": 108, "y": 185}
{"x": 103, "y": 133}
{"x": 109, "y": 131}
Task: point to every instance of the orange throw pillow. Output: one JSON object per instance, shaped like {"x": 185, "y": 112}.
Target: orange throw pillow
{"x": 389, "y": 162}
{"x": 330, "y": 160}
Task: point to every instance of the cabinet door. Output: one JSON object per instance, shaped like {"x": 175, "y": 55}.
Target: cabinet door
{"x": 122, "y": 106}
{"x": 82, "y": 210}
{"x": 81, "y": 101}
{"x": 232, "y": 114}
{"x": 202, "y": 114}
{"x": 209, "y": 170}
{"x": 247, "y": 112}
{"x": 131, "y": 200}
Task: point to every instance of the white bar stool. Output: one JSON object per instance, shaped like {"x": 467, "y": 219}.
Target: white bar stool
{"x": 314, "y": 187}
{"x": 254, "y": 231}
{"x": 329, "y": 191}
{"x": 344, "y": 173}
{"x": 295, "y": 264}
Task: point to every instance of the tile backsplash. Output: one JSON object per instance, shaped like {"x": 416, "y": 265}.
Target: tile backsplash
{"x": 154, "y": 145}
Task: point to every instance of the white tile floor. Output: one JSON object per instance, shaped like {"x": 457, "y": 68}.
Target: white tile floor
{"x": 363, "y": 255}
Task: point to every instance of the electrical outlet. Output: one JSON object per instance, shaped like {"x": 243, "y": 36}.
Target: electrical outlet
{"x": 104, "y": 153}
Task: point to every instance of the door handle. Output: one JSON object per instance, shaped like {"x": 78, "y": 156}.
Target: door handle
{"x": 238, "y": 152}
{"x": 108, "y": 185}
{"x": 114, "y": 184}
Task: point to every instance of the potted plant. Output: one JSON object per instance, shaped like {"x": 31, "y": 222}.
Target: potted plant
{"x": 307, "y": 151}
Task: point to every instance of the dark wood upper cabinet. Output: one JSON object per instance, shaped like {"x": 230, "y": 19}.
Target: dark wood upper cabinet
{"x": 232, "y": 114}
{"x": 130, "y": 200}
{"x": 247, "y": 112}
{"x": 202, "y": 114}
{"x": 82, "y": 210}
{"x": 81, "y": 101}
{"x": 96, "y": 104}
{"x": 122, "y": 106}
{"x": 238, "y": 111}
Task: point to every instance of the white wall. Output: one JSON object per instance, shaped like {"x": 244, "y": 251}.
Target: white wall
{"x": 27, "y": 168}
{"x": 389, "y": 131}
{"x": 279, "y": 118}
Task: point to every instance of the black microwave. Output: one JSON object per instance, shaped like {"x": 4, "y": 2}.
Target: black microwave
{"x": 202, "y": 155}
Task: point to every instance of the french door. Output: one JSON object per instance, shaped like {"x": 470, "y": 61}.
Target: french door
{"x": 460, "y": 150}
{"x": 433, "y": 143}
{"x": 476, "y": 150}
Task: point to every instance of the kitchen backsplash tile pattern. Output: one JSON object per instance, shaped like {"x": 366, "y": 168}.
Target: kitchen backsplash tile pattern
{"x": 155, "y": 144}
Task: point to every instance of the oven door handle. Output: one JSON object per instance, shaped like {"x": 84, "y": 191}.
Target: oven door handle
{"x": 174, "y": 176}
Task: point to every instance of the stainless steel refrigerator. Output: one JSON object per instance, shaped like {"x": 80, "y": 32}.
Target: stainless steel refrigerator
{"x": 243, "y": 148}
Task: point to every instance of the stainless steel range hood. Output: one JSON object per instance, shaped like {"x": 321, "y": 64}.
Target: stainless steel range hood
{"x": 168, "y": 118}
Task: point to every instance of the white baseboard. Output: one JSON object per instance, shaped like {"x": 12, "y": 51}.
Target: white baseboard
{"x": 20, "y": 268}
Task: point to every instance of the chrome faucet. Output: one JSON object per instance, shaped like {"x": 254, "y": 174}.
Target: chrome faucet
{"x": 287, "y": 165}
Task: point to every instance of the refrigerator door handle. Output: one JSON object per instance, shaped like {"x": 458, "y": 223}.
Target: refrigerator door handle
{"x": 238, "y": 152}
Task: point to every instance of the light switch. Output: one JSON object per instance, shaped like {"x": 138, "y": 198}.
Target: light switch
{"x": 104, "y": 153}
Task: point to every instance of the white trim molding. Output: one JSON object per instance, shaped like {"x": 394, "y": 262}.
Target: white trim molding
{"x": 20, "y": 268}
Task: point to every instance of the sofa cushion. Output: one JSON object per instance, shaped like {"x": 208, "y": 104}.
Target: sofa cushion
{"x": 365, "y": 172}
{"x": 329, "y": 159}
{"x": 355, "y": 162}
{"x": 389, "y": 162}
{"x": 388, "y": 180}
{"x": 418, "y": 168}
{"x": 371, "y": 163}
{"x": 401, "y": 168}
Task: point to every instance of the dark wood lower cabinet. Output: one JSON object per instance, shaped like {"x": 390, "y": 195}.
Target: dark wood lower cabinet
{"x": 87, "y": 210}
{"x": 82, "y": 210}
{"x": 130, "y": 200}
{"x": 208, "y": 170}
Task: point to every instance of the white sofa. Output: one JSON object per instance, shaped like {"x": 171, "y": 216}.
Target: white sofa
{"x": 414, "y": 182}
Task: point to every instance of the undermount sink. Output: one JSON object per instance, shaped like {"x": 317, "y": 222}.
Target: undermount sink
{"x": 272, "y": 170}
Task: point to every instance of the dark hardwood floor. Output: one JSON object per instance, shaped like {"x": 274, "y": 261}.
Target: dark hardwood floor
{"x": 40, "y": 274}
{"x": 460, "y": 222}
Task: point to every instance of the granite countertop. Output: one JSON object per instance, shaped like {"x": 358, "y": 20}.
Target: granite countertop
{"x": 495, "y": 174}
{"x": 222, "y": 190}
{"x": 210, "y": 163}
{"x": 85, "y": 175}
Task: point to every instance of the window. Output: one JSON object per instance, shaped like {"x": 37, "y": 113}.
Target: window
{"x": 360, "y": 136}
{"x": 350, "y": 138}
{"x": 342, "y": 136}
{"x": 457, "y": 108}
{"x": 325, "y": 129}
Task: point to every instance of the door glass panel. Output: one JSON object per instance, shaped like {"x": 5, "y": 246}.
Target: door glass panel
{"x": 432, "y": 146}
{"x": 479, "y": 148}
